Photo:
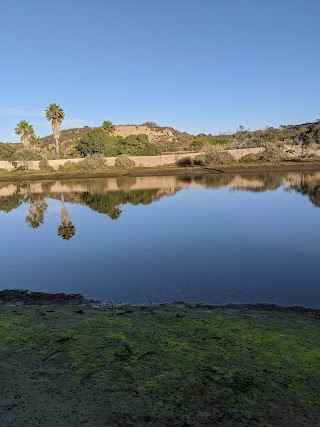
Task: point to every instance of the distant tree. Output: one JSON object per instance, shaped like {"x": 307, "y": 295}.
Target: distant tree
{"x": 150, "y": 124}
{"x": 26, "y": 130}
{"x": 305, "y": 140}
{"x": 108, "y": 126}
{"x": 55, "y": 114}
{"x": 95, "y": 142}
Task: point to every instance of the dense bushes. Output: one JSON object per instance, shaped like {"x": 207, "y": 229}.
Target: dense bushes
{"x": 27, "y": 155}
{"x": 137, "y": 145}
{"x": 90, "y": 163}
{"x": 211, "y": 157}
{"x": 200, "y": 160}
{"x": 99, "y": 141}
{"x": 215, "y": 157}
{"x": 44, "y": 166}
{"x": 250, "y": 158}
{"x": 93, "y": 162}
{"x": 273, "y": 153}
{"x": 124, "y": 162}
{"x": 185, "y": 162}
{"x": 95, "y": 141}
{"x": 6, "y": 151}
{"x": 69, "y": 167}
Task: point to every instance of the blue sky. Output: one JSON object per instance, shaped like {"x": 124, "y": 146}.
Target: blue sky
{"x": 197, "y": 65}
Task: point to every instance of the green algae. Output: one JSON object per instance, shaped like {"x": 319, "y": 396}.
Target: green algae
{"x": 188, "y": 366}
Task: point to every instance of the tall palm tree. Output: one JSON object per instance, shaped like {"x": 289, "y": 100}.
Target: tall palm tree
{"x": 25, "y": 130}
{"x": 55, "y": 114}
{"x": 66, "y": 230}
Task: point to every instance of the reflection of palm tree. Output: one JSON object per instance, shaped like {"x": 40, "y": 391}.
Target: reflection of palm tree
{"x": 115, "y": 213}
{"x": 36, "y": 213}
{"x": 66, "y": 230}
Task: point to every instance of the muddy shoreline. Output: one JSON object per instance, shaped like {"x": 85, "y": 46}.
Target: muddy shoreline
{"x": 24, "y": 297}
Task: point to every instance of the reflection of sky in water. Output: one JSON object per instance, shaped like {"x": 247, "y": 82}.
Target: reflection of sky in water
{"x": 209, "y": 245}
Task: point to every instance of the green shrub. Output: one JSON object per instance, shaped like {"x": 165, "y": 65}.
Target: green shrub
{"x": 44, "y": 166}
{"x": 137, "y": 145}
{"x": 98, "y": 141}
{"x": 68, "y": 167}
{"x": 93, "y": 162}
{"x": 94, "y": 142}
{"x": 6, "y": 151}
{"x": 273, "y": 153}
{"x": 27, "y": 155}
{"x": 200, "y": 160}
{"x": 124, "y": 162}
{"x": 197, "y": 144}
{"x": 108, "y": 126}
{"x": 185, "y": 162}
{"x": 150, "y": 124}
{"x": 250, "y": 158}
{"x": 215, "y": 157}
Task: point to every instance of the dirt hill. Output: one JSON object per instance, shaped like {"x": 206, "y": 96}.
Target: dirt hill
{"x": 167, "y": 138}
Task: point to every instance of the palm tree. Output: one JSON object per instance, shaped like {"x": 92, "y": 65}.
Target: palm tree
{"x": 108, "y": 126}
{"x": 66, "y": 230}
{"x": 35, "y": 141}
{"x": 25, "y": 130}
{"x": 55, "y": 114}
{"x": 37, "y": 210}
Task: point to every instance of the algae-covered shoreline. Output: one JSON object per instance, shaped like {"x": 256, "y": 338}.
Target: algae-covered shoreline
{"x": 77, "y": 362}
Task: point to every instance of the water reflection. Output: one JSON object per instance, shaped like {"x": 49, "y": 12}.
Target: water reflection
{"x": 228, "y": 238}
{"x": 66, "y": 230}
{"x": 38, "y": 207}
{"x": 107, "y": 196}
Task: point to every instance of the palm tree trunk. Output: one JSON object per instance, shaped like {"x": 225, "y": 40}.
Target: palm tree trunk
{"x": 57, "y": 149}
{"x": 65, "y": 220}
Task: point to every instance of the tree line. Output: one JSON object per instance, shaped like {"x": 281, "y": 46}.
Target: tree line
{"x": 55, "y": 114}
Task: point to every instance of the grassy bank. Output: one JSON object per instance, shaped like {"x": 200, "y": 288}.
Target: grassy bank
{"x": 158, "y": 366}
{"x": 161, "y": 170}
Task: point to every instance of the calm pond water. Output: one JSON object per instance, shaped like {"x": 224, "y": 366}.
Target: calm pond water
{"x": 215, "y": 238}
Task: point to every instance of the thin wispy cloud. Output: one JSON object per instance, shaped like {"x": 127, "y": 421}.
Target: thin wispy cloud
{"x": 20, "y": 112}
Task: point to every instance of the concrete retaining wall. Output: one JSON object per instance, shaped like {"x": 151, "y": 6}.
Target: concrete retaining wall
{"x": 140, "y": 161}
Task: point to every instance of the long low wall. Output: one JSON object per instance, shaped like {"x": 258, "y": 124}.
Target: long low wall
{"x": 140, "y": 161}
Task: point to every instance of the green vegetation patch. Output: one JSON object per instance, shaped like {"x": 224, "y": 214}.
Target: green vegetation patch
{"x": 99, "y": 141}
{"x": 174, "y": 366}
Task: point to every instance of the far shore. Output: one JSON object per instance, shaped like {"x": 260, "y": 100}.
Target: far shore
{"x": 289, "y": 166}
{"x": 25, "y": 297}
